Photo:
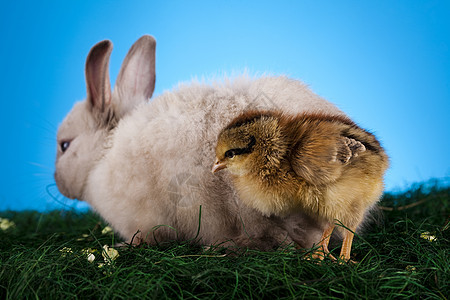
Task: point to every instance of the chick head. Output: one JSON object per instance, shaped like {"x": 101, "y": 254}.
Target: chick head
{"x": 248, "y": 143}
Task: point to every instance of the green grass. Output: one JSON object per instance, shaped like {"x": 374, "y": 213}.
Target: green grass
{"x": 395, "y": 261}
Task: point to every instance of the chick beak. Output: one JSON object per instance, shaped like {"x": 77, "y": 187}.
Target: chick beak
{"x": 218, "y": 165}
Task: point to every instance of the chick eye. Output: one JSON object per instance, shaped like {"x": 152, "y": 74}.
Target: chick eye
{"x": 230, "y": 154}
{"x": 64, "y": 146}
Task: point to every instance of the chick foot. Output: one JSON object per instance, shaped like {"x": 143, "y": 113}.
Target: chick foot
{"x": 346, "y": 248}
{"x": 322, "y": 250}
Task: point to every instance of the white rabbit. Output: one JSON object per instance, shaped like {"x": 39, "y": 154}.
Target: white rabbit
{"x": 141, "y": 164}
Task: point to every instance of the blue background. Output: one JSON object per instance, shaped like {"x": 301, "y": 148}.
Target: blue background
{"x": 385, "y": 63}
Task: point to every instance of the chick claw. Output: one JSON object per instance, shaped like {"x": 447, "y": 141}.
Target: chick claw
{"x": 321, "y": 254}
{"x": 322, "y": 250}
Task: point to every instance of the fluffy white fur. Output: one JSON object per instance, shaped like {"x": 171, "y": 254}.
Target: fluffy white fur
{"x": 141, "y": 164}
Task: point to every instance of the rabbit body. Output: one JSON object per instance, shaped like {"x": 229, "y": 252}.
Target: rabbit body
{"x": 143, "y": 164}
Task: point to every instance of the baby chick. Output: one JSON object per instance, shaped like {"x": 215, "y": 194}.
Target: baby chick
{"x": 325, "y": 165}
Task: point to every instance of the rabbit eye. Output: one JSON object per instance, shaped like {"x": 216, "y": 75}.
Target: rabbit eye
{"x": 64, "y": 146}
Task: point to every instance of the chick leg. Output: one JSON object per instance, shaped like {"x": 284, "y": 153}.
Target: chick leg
{"x": 347, "y": 244}
{"x": 323, "y": 244}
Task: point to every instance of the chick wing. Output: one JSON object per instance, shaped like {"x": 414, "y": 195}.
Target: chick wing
{"x": 347, "y": 148}
{"x": 321, "y": 153}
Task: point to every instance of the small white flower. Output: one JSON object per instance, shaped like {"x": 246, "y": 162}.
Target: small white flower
{"x": 6, "y": 224}
{"x": 109, "y": 254}
{"x": 410, "y": 268}
{"x": 89, "y": 253}
{"x": 107, "y": 230}
{"x": 83, "y": 237}
{"x": 428, "y": 236}
{"x": 65, "y": 250}
{"x": 91, "y": 257}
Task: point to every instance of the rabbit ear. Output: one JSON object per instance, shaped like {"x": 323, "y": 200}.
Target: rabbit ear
{"x": 97, "y": 75}
{"x": 136, "y": 80}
